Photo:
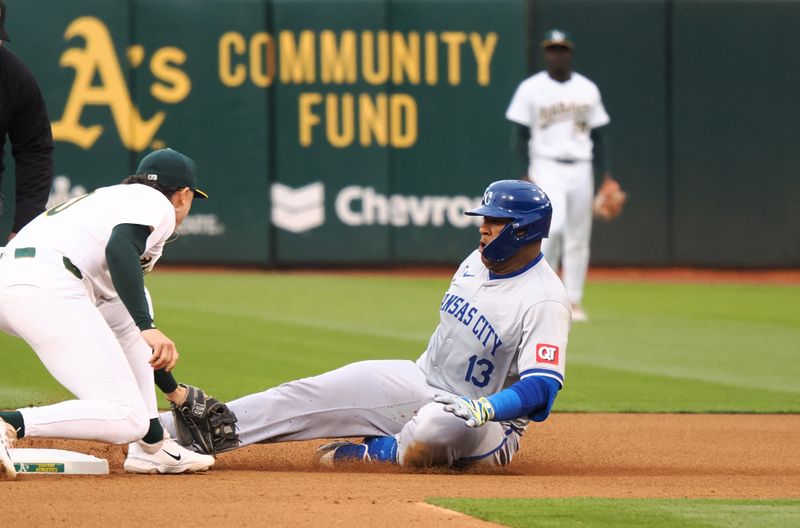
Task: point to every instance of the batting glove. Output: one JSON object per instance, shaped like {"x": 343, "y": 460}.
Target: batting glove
{"x": 475, "y": 413}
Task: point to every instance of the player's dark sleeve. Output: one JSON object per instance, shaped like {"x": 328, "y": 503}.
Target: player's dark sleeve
{"x": 165, "y": 381}
{"x": 601, "y": 149}
{"x": 532, "y": 397}
{"x": 126, "y": 244}
{"x": 32, "y": 147}
{"x": 520, "y": 137}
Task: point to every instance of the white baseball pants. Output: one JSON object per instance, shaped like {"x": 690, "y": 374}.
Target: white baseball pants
{"x": 93, "y": 351}
{"x": 570, "y": 187}
{"x": 370, "y": 398}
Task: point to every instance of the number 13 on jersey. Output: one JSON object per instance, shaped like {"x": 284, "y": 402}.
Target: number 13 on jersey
{"x": 482, "y": 368}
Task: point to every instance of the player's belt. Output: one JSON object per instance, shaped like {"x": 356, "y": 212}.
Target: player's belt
{"x": 30, "y": 252}
{"x": 566, "y": 161}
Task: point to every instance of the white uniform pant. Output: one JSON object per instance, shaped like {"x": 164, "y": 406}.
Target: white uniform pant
{"x": 570, "y": 187}
{"x": 95, "y": 352}
{"x": 370, "y": 398}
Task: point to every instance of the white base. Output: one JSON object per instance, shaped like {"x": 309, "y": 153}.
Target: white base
{"x": 57, "y": 462}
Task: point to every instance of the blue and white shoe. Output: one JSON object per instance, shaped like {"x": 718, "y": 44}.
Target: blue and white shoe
{"x": 339, "y": 452}
{"x": 372, "y": 449}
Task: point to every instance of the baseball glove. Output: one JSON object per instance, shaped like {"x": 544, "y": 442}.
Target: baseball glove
{"x": 205, "y": 423}
{"x": 609, "y": 201}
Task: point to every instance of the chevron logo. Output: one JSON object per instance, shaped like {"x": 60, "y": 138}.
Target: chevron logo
{"x": 298, "y": 210}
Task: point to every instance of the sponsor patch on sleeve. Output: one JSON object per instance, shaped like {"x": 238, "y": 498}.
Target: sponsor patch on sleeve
{"x": 547, "y": 353}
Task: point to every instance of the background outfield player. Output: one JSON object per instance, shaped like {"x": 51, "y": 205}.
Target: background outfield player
{"x": 71, "y": 286}
{"x": 559, "y": 114}
{"x": 495, "y": 362}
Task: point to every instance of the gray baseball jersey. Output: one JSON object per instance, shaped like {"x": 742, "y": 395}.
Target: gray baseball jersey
{"x": 492, "y": 332}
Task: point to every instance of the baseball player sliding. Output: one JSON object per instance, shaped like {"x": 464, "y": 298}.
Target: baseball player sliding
{"x": 71, "y": 286}
{"x": 559, "y": 113}
{"x": 494, "y": 363}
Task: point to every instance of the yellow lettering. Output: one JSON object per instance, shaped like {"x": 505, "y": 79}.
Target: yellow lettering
{"x": 231, "y": 43}
{"x": 483, "y": 55}
{"x": 373, "y": 119}
{"x": 454, "y": 39}
{"x": 162, "y": 66}
{"x": 135, "y": 55}
{"x": 403, "y": 111}
{"x": 337, "y": 137}
{"x": 380, "y": 74}
{"x": 262, "y": 59}
{"x": 98, "y": 58}
{"x": 382, "y": 119}
{"x": 308, "y": 119}
{"x": 405, "y": 57}
{"x": 337, "y": 62}
{"x": 431, "y": 58}
{"x": 297, "y": 62}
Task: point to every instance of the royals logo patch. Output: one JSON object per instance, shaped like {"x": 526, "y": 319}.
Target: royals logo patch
{"x": 547, "y": 353}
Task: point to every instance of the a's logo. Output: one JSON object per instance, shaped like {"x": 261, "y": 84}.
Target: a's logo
{"x": 298, "y": 210}
{"x": 547, "y": 353}
{"x": 99, "y": 81}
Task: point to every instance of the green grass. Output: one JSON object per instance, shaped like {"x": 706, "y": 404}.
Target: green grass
{"x": 658, "y": 347}
{"x": 613, "y": 513}
{"x": 648, "y": 347}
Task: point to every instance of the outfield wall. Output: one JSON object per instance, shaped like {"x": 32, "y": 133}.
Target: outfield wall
{"x": 358, "y": 131}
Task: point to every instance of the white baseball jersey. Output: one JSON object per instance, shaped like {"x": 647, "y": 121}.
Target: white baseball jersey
{"x": 494, "y": 331}
{"x": 89, "y": 343}
{"x": 81, "y": 228}
{"x": 560, "y": 115}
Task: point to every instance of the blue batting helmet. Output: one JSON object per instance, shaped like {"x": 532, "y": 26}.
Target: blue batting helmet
{"x": 528, "y": 207}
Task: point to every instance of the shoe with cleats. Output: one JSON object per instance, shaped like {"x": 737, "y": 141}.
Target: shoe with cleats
{"x": 340, "y": 452}
{"x": 165, "y": 457}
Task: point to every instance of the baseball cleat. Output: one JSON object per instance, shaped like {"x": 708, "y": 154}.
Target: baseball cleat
{"x": 8, "y": 436}
{"x": 165, "y": 457}
{"x": 341, "y": 452}
{"x": 578, "y": 315}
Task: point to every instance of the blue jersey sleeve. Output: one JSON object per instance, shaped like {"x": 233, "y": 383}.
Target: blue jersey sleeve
{"x": 532, "y": 396}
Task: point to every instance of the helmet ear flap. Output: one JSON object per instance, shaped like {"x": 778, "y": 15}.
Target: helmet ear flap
{"x": 526, "y": 204}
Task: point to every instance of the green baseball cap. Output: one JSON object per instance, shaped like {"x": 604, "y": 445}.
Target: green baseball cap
{"x": 557, "y": 37}
{"x": 170, "y": 168}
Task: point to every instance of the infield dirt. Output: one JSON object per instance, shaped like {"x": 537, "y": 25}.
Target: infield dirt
{"x": 569, "y": 455}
